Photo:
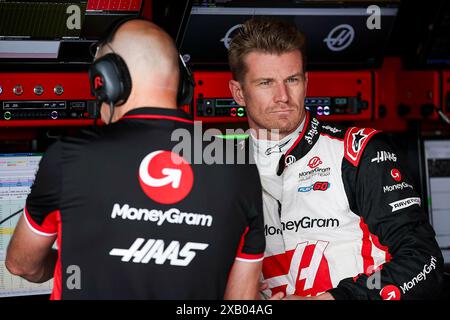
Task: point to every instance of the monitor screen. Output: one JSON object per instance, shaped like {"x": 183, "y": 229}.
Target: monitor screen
{"x": 437, "y": 167}
{"x": 58, "y": 31}
{"x": 17, "y": 173}
{"x": 334, "y": 36}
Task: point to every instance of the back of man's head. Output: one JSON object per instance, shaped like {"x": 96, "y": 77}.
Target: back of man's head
{"x": 152, "y": 60}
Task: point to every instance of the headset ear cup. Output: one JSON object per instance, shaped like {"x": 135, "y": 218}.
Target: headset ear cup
{"x": 110, "y": 79}
{"x": 125, "y": 79}
{"x": 186, "y": 85}
{"x": 96, "y": 82}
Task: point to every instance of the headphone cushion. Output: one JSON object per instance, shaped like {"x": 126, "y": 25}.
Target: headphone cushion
{"x": 116, "y": 83}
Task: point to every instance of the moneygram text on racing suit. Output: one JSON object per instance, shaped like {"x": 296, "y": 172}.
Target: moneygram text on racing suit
{"x": 341, "y": 216}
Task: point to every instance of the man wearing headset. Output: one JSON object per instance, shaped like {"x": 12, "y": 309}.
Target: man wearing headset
{"x": 132, "y": 219}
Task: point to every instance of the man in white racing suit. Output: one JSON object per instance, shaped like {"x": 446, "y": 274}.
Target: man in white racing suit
{"x": 342, "y": 220}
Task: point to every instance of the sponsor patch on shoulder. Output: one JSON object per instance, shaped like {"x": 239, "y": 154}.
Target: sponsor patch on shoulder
{"x": 331, "y": 129}
{"x": 404, "y": 203}
{"x": 355, "y": 141}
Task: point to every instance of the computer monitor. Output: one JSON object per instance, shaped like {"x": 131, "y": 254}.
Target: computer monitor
{"x": 58, "y": 31}
{"x": 437, "y": 171}
{"x": 17, "y": 173}
{"x": 338, "y": 36}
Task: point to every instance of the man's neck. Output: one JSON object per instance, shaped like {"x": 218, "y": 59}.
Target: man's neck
{"x": 274, "y": 134}
{"x": 144, "y": 102}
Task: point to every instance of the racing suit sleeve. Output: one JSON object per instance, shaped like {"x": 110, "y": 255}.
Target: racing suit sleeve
{"x": 42, "y": 204}
{"x": 380, "y": 192}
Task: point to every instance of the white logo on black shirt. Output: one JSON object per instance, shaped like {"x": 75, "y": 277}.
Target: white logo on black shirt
{"x": 405, "y": 203}
{"x": 384, "y": 156}
{"x": 172, "y": 215}
{"x": 154, "y": 249}
{"x": 395, "y": 187}
{"x": 331, "y": 129}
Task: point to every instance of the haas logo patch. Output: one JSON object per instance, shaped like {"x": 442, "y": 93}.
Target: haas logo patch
{"x": 303, "y": 271}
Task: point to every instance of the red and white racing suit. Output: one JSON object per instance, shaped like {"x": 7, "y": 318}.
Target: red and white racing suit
{"x": 341, "y": 216}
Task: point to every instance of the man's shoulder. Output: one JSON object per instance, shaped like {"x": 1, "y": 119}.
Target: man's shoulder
{"x": 360, "y": 142}
{"x": 230, "y": 157}
{"x": 82, "y": 137}
{"x": 96, "y": 135}
{"x": 332, "y": 130}
{"x": 356, "y": 141}
{"x": 235, "y": 152}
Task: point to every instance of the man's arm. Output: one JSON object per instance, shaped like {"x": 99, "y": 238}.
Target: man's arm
{"x": 381, "y": 193}
{"x": 30, "y": 255}
{"x": 243, "y": 281}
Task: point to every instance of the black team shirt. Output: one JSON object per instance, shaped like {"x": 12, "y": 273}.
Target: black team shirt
{"x": 137, "y": 220}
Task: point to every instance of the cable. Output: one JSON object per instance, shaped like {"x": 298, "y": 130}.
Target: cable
{"x": 111, "y": 112}
{"x": 97, "y": 112}
{"x": 443, "y": 116}
{"x": 11, "y": 216}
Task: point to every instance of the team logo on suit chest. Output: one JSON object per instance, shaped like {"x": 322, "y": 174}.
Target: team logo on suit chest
{"x": 316, "y": 172}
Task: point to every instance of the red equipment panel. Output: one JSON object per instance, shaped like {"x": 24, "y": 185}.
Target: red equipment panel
{"x": 333, "y": 95}
{"x": 211, "y": 85}
{"x": 418, "y": 94}
{"x": 33, "y": 90}
{"x": 75, "y": 86}
{"x": 359, "y": 86}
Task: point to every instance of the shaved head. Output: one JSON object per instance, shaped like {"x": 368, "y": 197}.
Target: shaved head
{"x": 152, "y": 59}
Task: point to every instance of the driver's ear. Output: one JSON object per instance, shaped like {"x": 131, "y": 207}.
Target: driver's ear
{"x": 237, "y": 92}
{"x": 306, "y": 82}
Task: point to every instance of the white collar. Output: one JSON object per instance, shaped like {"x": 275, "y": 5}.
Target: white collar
{"x": 269, "y": 147}
{"x": 267, "y": 153}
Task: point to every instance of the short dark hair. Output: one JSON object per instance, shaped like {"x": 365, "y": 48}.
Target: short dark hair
{"x": 263, "y": 35}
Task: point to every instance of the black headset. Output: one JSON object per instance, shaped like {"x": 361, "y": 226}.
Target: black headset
{"x": 111, "y": 81}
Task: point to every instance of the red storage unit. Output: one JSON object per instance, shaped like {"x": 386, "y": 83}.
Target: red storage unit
{"x": 418, "y": 94}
